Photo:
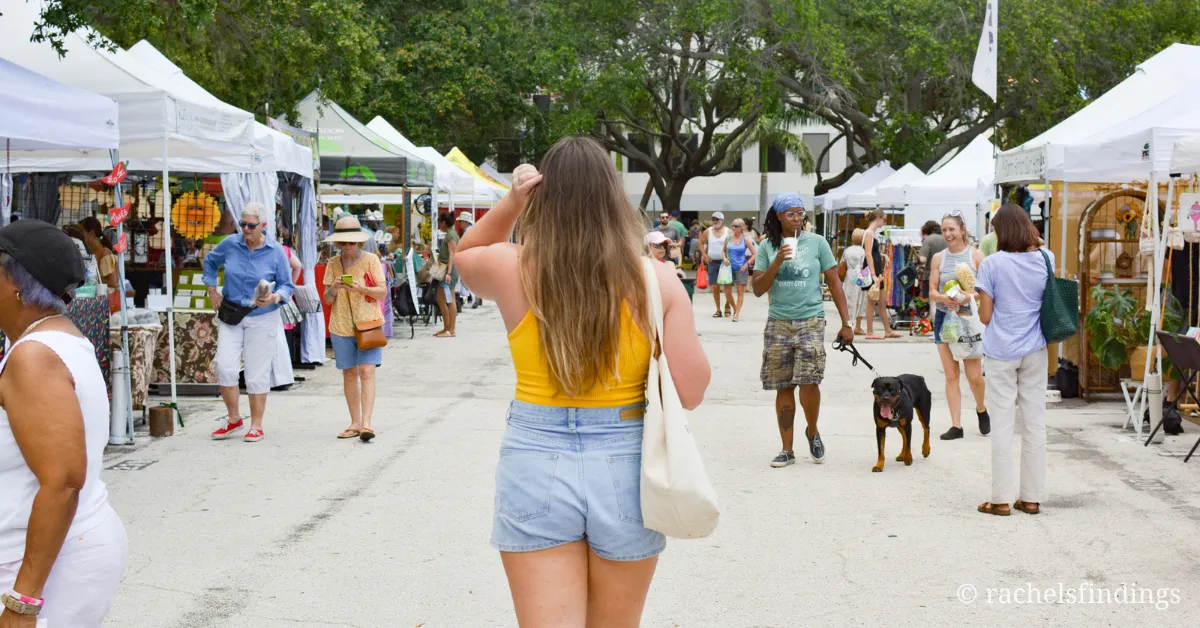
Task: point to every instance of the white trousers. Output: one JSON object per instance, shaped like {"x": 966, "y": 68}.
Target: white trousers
{"x": 1013, "y": 384}
{"x": 256, "y": 340}
{"x": 84, "y": 578}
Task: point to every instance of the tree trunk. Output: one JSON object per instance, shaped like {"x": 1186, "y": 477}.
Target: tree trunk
{"x": 762, "y": 200}
{"x": 649, "y": 191}
{"x": 674, "y": 195}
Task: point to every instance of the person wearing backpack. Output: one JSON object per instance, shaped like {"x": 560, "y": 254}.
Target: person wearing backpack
{"x": 1011, "y": 286}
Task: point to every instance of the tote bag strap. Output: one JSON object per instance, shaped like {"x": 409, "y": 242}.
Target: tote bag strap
{"x": 656, "y": 307}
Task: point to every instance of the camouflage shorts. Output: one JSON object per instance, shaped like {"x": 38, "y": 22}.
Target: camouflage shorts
{"x": 793, "y": 353}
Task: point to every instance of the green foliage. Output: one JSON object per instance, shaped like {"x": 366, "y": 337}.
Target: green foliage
{"x": 1116, "y": 324}
{"x": 249, "y": 53}
{"x": 895, "y": 75}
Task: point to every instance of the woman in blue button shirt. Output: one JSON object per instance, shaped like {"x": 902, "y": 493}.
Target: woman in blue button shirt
{"x": 247, "y": 258}
{"x": 1011, "y": 285}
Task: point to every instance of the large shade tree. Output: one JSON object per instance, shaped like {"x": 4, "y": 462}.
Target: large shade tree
{"x": 640, "y": 83}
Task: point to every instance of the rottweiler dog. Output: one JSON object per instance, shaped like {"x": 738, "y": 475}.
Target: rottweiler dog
{"x": 895, "y": 400}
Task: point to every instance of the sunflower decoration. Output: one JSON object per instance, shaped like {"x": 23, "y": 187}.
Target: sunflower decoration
{"x": 1128, "y": 216}
{"x": 195, "y": 215}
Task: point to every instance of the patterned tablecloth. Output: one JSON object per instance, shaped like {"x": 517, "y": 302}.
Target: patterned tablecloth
{"x": 143, "y": 341}
{"x": 90, "y": 315}
{"x": 195, "y": 349}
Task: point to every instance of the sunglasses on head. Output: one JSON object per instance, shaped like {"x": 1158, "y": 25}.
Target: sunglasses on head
{"x": 248, "y": 225}
{"x": 955, "y": 214}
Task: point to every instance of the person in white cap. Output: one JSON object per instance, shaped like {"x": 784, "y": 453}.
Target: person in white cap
{"x": 712, "y": 249}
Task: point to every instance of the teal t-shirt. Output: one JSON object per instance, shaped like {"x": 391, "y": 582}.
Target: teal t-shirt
{"x": 796, "y": 293}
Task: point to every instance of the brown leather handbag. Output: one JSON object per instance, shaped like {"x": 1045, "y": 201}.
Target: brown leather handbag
{"x": 369, "y": 335}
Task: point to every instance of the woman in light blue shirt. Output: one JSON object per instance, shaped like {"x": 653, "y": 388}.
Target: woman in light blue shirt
{"x": 1011, "y": 284}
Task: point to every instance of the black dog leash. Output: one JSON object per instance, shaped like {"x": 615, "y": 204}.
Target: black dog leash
{"x": 841, "y": 345}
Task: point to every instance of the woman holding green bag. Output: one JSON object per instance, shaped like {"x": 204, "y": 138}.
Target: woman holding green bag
{"x": 1011, "y": 287}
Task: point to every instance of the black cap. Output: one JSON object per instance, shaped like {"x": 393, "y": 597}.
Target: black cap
{"x": 46, "y": 253}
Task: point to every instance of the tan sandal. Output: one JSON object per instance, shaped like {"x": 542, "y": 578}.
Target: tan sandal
{"x": 988, "y": 508}
{"x": 349, "y": 432}
{"x": 444, "y": 334}
{"x": 1030, "y": 508}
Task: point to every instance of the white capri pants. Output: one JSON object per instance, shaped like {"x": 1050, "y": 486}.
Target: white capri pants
{"x": 255, "y": 339}
{"x": 84, "y": 578}
{"x": 1014, "y": 385}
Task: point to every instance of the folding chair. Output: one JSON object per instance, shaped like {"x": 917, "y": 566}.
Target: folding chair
{"x": 1185, "y": 355}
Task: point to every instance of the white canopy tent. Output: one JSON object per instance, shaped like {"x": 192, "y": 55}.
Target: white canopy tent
{"x": 457, "y": 183}
{"x": 822, "y": 200}
{"x": 1185, "y": 156}
{"x": 273, "y": 151}
{"x": 1134, "y": 148}
{"x": 1170, "y": 71}
{"x": 40, "y": 114}
{"x": 159, "y": 127}
{"x": 837, "y": 199}
{"x": 155, "y": 121}
{"x": 490, "y": 171}
{"x": 960, "y": 184}
{"x": 888, "y": 193}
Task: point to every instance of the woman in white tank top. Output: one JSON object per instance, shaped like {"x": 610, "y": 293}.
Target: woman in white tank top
{"x": 62, "y": 548}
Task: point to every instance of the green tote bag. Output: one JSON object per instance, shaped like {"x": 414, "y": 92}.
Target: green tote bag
{"x": 1060, "y": 306}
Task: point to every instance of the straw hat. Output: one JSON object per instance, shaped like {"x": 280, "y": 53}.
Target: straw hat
{"x": 348, "y": 229}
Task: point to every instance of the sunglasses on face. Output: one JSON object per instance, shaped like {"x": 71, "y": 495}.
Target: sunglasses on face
{"x": 660, "y": 245}
{"x": 248, "y": 225}
{"x": 793, "y": 215}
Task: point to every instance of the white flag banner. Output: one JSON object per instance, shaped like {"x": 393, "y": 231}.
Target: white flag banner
{"x": 984, "y": 74}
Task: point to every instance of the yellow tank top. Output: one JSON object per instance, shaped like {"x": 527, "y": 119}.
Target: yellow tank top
{"x": 534, "y": 385}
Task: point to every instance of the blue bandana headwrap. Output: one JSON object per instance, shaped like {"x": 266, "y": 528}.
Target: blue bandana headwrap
{"x": 786, "y": 201}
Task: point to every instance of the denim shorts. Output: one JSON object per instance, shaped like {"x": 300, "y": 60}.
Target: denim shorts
{"x": 347, "y": 355}
{"x": 568, "y": 474}
{"x": 939, "y": 319}
{"x": 714, "y": 270}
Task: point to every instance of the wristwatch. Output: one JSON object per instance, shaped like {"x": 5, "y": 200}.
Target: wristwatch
{"x": 21, "y": 604}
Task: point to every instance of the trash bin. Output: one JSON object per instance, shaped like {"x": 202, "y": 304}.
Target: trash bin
{"x": 690, "y": 285}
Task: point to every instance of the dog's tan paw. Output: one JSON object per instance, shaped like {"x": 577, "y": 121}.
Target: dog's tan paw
{"x": 925, "y": 451}
{"x": 877, "y": 469}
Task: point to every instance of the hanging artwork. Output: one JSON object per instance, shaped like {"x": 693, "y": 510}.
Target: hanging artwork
{"x": 1189, "y": 213}
{"x": 195, "y": 215}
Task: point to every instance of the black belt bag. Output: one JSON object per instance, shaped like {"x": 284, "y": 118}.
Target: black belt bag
{"x": 231, "y": 313}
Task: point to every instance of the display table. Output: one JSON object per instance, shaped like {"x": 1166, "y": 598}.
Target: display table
{"x": 195, "y": 349}
{"x": 143, "y": 343}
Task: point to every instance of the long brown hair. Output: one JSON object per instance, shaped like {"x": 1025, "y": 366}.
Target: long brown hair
{"x": 581, "y": 263}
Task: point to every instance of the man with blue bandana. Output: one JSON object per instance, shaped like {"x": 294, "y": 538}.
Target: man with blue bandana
{"x": 794, "y": 339}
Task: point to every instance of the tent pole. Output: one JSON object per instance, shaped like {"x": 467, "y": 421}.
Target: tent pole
{"x": 169, "y": 280}
{"x": 1066, "y": 203}
{"x": 127, "y": 401}
{"x": 1046, "y": 198}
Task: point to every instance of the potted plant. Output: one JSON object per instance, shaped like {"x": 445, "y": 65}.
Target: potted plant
{"x": 1119, "y": 329}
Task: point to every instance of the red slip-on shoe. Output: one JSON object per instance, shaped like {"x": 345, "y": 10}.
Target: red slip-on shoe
{"x": 228, "y": 430}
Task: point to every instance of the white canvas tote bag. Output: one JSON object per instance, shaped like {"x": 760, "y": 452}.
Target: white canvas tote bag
{"x": 677, "y": 497}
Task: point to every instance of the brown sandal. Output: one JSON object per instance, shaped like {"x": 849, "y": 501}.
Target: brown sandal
{"x": 988, "y": 508}
{"x": 350, "y": 432}
{"x": 1027, "y": 507}
{"x": 366, "y": 434}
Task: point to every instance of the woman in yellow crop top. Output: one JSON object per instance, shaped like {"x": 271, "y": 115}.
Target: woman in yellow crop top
{"x": 568, "y": 517}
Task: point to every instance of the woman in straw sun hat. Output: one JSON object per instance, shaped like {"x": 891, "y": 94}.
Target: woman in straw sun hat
{"x": 354, "y": 285}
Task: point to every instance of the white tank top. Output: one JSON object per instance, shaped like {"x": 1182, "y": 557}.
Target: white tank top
{"x": 18, "y": 485}
{"x": 716, "y": 244}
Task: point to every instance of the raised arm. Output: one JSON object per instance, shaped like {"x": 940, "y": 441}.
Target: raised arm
{"x": 485, "y": 258}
